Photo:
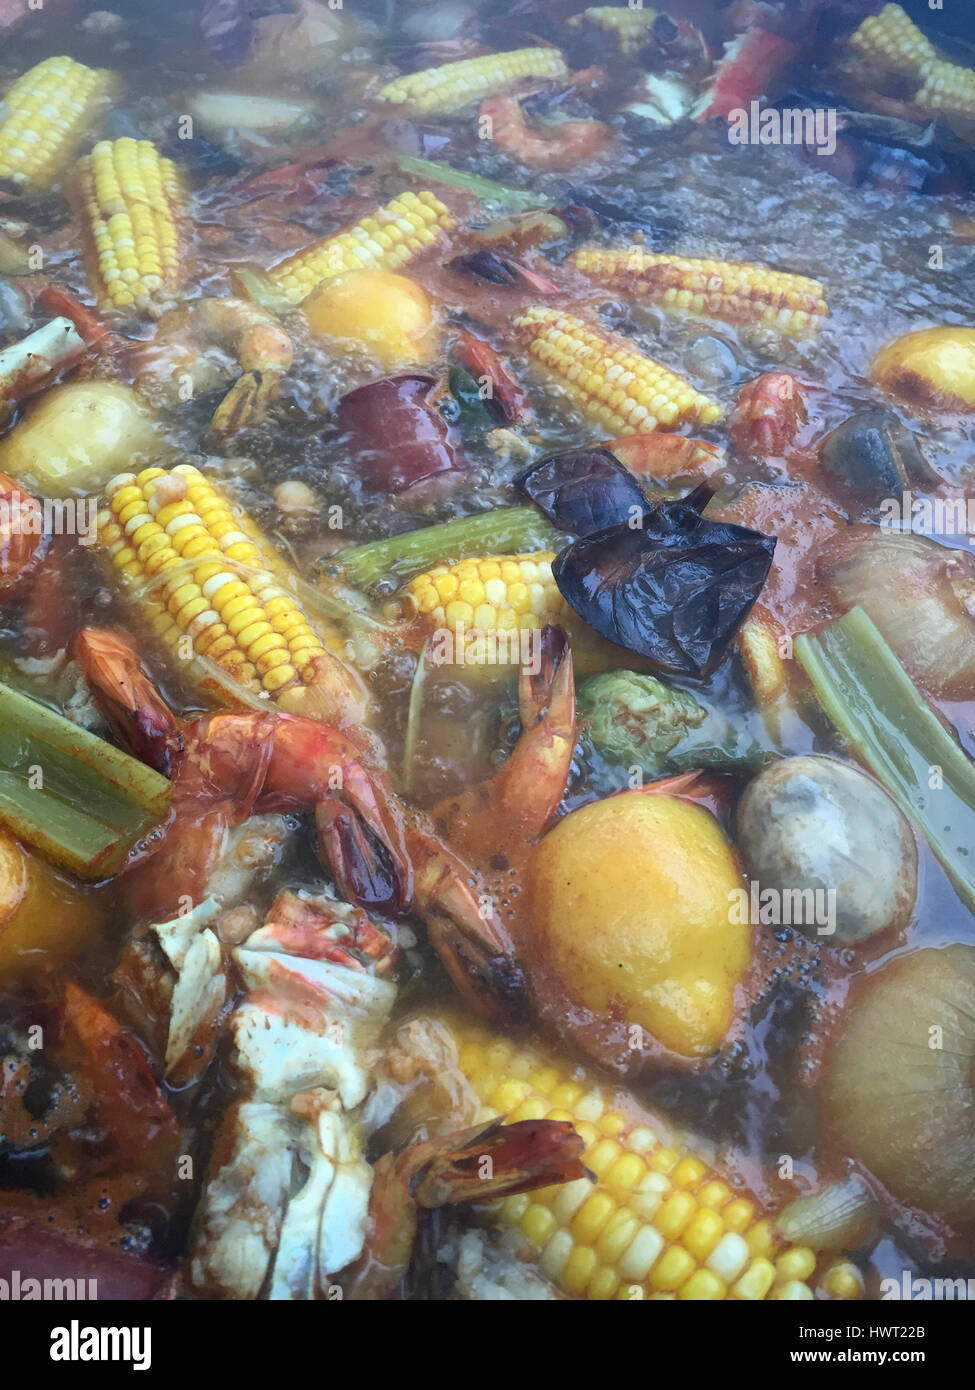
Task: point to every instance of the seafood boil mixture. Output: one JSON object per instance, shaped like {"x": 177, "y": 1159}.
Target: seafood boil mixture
{"x": 487, "y": 649}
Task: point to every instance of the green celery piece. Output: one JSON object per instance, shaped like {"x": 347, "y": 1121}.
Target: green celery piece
{"x": 506, "y": 531}
{"x": 514, "y": 199}
{"x": 878, "y": 709}
{"x": 94, "y": 802}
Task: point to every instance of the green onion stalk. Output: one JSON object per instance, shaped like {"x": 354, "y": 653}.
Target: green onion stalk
{"x": 875, "y": 705}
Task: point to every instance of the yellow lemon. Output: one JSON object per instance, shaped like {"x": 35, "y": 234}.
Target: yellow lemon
{"x": 389, "y": 315}
{"x": 635, "y": 906}
{"x": 933, "y": 367}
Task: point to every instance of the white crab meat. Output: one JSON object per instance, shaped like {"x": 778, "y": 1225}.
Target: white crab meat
{"x": 198, "y": 998}
{"x": 240, "y": 1222}
{"x": 663, "y": 100}
{"x": 325, "y": 1226}
{"x": 307, "y": 1023}
{"x": 177, "y": 936}
{"x": 249, "y": 849}
{"x": 305, "y": 1039}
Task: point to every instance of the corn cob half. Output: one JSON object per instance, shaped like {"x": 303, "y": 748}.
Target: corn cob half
{"x": 737, "y": 291}
{"x": 200, "y": 570}
{"x": 657, "y": 1223}
{"x": 388, "y": 240}
{"x": 456, "y": 85}
{"x": 499, "y": 596}
{"x": 631, "y": 27}
{"x": 892, "y": 42}
{"x": 608, "y": 379}
{"x": 130, "y": 196}
{"x": 947, "y": 89}
{"x": 45, "y": 114}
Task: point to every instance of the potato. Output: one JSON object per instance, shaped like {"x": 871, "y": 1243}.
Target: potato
{"x": 813, "y": 824}
{"x": 631, "y": 909}
{"x": 900, "y": 1079}
{"x": 78, "y": 436}
{"x": 44, "y": 917}
{"x": 389, "y": 315}
{"x": 933, "y": 367}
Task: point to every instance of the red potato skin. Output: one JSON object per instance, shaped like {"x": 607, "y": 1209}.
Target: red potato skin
{"x": 402, "y": 437}
{"x": 108, "y": 1274}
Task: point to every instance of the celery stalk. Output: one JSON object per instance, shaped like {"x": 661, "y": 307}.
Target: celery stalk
{"x": 506, "y": 531}
{"x": 82, "y": 802}
{"x": 515, "y": 199}
{"x": 877, "y": 708}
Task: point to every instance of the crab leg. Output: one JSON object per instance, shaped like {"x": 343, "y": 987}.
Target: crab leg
{"x": 30, "y": 365}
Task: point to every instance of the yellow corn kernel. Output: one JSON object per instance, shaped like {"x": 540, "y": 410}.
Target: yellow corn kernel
{"x": 842, "y": 1280}
{"x": 130, "y": 196}
{"x": 192, "y": 591}
{"x": 607, "y": 378}
{"x": 738, "y": 1214}
{"x": 735, "y": 291}
{"x": 756, "y": 1281}
{"x": 704, "y": 1286}
{"x": 453, "y": 86}
{"x": 653, "y": 1223}
{"x": 891, "y": 42}
{"x": 674, "y": 1214}
{"x": 674, "y": 1268}
{"x": 761, "y": 1238}
{"x": 702, "y": 1233}
{"x": 688, "y": 1172}
{"x": 45, "y": 114}
{"x": 630, "y": 26}
{"x": 797, "y": 1263}
{"x": 300, "y": 274}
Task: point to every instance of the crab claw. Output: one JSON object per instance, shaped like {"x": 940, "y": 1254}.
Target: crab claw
{"x": 246, "y": 403}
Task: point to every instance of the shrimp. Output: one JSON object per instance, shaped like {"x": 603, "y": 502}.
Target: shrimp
{"x": 562, "y": 146}
{"x": 225, "y": 767}
{"x": 489, "y": 1160}
{"x": 263, "y": 350}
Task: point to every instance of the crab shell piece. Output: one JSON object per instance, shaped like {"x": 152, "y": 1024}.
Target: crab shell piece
{"x": 933, "y": 368}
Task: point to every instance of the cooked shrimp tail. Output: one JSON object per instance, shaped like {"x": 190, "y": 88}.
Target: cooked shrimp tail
{"x": 477, "y": 1164}
{"x": 126, "y": 697}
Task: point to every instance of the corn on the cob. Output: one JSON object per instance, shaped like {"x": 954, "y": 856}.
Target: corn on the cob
{"x": 47, "y": 112}
{"x": 130, "y": 195}
{"x": 657, "y": 1222}
{"x": 947, "y": 89}
{"x": 200, "y": 569}
{"x": 456, "y": 85}
{"x": 497, "y": 594}
{"x": 892, "y": 42}
{"x": 606, "y": 378}
{"x": 630, "y": 26}
{"x": 738, "y": 291}
{"x": 392, "y": 237}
